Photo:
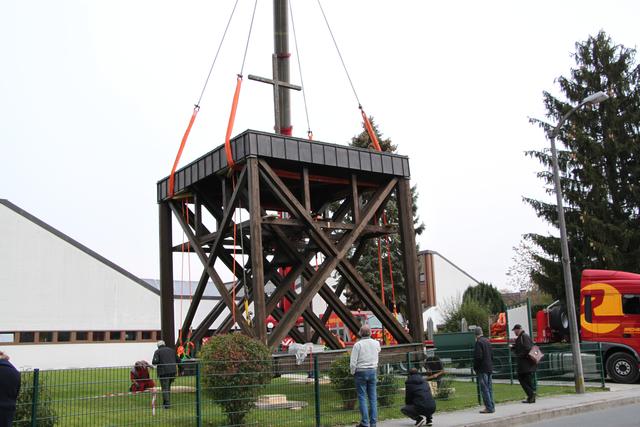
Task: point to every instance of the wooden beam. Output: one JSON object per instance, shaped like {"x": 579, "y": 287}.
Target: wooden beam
{"x": 342, "y": 283}
{"x": 257, "y": 266}
{"x": 166, "y": 276}
{"x": 306, "y": 191}
{"x": 228, "y": 213}
{"x": 410, "y": 259}
{"x": 280, "y": 190}
{"x": 325, "y": 291}
{"x": 217, "y": 281}
{"x": 355, "y": 197}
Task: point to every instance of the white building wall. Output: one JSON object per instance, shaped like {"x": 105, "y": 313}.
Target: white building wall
{"x": 450, "y": 284}
{"x": 49, "y": 284}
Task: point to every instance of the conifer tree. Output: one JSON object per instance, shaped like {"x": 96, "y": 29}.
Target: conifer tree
{"x": 368, "y": 265}
{"x": 486, "y": 295}
{"x": 599, "y": 159}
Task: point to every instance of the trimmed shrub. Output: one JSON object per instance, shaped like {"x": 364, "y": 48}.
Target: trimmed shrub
{"x": 387, "y": 389}
{"x": 45, "y": 414}
{"x": 235, "y": 369}
{"x": 342, "y": 381}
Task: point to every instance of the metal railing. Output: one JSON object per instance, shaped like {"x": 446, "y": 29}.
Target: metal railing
{"x": 317, "y": 392}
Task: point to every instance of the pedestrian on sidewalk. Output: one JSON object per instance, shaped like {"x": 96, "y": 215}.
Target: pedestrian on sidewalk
{"x": 9, "y": 390}
{"x": 483, "y": 366}
{"x": 364, "y": 366}
{"x": 526, "y": 366}
{"x": 419, "y": 402}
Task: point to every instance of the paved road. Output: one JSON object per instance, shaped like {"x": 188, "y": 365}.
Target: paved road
{"x": 621, "y": 416}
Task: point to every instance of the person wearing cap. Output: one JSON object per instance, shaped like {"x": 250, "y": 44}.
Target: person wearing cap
{"x": 483, "y": 366}
{"x": 364, "y": 366}
{"x": 526, "y": 367}
{"x": 165, "y": 359}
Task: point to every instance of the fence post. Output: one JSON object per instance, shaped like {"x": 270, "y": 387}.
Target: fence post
{"x": 408, "y": 361}
{"x": 602, "y": 374}
{"x": 316, "y": 388}
{"x": 510, "y": 360}
{"x": 198, "y": 396}
{"x": 34, "y": 401}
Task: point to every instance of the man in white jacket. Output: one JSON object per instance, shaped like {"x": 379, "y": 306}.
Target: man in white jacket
{"x": 364, "y": 366}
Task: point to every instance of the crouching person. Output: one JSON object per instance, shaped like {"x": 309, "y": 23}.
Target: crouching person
{"x": 419, "y": 403}
{"x": 140, "y": 379}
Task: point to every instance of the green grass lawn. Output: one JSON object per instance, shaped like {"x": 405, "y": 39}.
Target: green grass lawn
{"x": 98, "y": 397}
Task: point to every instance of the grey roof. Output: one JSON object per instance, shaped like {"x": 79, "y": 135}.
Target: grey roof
{"x": 267, "y": 145}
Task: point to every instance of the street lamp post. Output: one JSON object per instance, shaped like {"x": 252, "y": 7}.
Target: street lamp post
{"x": 564, "y": 246}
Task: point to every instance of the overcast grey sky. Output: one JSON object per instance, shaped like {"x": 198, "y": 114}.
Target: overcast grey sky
{"x": 95, "y": 97}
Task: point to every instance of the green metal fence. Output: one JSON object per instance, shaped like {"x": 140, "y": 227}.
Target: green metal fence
{"x": 316, "y": 392}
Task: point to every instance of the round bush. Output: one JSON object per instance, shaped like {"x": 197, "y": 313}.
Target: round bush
{"x": 342, "y": 381}
{"x": 235, "y": 369}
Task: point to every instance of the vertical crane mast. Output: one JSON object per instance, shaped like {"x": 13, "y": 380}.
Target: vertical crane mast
{"x": 282, "y": 55}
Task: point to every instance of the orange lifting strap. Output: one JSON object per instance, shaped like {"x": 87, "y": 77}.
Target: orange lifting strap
{"x": 182, "y": 144}
{"x": 372, "y": 134}
{"x": 232, "y": 119}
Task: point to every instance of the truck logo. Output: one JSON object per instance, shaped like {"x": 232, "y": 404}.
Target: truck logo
{"x": 605, "y": 304}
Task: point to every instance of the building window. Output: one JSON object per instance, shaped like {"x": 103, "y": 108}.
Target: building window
{"x": 130, "y": 335}
{"x": 98, "y": 336}
{"x": 115, "y": 335}
{"x": 82, "y": 336}
{"x": 147, "y": 335}
{"x": 64, "y": 336}
{"x": 631, "y": 304}
{"x": 7, "y": 337}
{"x": 27, "y": 336}
{"x": 45, "y": 337}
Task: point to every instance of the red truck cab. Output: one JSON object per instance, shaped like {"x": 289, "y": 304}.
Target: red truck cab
{"x": 610, "y": 315}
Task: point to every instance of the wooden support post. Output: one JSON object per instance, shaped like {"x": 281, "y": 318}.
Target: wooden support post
{"x": 166, "y": 276}
{"x": 306, "y": 191}
{"x": 410, "y": 259}
{"x": 197, "y": 209}
{"x": 355, "y": 198}
{"x": 257, "y": 266}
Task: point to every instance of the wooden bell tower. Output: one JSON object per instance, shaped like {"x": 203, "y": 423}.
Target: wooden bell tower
{"x": 302, "y": 178}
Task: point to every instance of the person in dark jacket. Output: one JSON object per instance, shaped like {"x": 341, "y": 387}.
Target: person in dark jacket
{"x": 419, "y": 403}
{"x": 483, "y": 366}
{"x": 9, "y": 390}
{"x": 526, "y": 366}
{"x": 165, "y": 360}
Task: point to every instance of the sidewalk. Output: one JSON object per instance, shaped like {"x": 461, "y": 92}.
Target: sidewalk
{"x": 517, "y": 413}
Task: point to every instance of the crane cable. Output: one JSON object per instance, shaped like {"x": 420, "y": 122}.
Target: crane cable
{"x": 196, "y": 108}
{"x": 234, "y": 105}
{"x": 367, "y": 122}
{"x": 304, "y": 93}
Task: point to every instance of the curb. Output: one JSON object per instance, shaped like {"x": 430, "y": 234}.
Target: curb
{"x": 546, "y": 414}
